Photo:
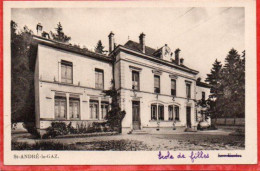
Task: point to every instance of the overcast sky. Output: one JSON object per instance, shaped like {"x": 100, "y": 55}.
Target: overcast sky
{"x": 202, "y": 34}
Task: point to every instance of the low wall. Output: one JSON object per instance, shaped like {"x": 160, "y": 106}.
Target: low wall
{"x": 229, "y": 121}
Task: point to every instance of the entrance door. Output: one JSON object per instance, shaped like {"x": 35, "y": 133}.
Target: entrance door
{"x": 136, "y": 114}
{"x": 188, "y": 115}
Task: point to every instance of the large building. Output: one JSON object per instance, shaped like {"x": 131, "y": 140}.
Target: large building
{"x": 155, "y": 88}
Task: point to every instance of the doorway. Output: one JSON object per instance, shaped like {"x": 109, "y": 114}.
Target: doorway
{"x": 188, "y": 115}
{"x": 136, "y": 115}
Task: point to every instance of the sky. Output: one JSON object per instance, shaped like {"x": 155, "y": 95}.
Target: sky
{"x": 202, "y": 34}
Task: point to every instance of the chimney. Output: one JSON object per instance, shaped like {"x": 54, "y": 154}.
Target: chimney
{"x": 142, "y": 42}
{"x": 39, "y": 29}
{"x": 177, "y": 56}
{"x": 111, "y": 41}
{"x": 181, "y": 61}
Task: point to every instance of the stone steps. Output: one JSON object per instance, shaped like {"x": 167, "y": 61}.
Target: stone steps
{"x": 139, "y": 132}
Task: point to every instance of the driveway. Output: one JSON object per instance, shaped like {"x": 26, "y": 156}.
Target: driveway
{"x": 204, "y": 140}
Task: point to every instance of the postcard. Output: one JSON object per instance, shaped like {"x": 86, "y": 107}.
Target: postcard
{"x": 130, "y": 83}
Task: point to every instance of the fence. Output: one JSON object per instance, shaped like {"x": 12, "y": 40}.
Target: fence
{"x": 229, "y": 121}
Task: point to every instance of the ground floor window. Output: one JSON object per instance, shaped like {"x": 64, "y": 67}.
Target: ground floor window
{"x": 197, "y": 118}
{"x": 153, "y": 112}
{"x": 177, "y": 114}
{"x": 170, "y": 109}
{"x": 74, "y": 108}
{"x": 93, "y": 110}
{"x": 161, "y": 112}
{"x": 157, "y": 113}
{"x": 104, "y": 109}
{"x": 60, "y": 107}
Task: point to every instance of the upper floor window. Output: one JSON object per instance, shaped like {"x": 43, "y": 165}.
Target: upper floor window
{"x": 173, "y": 87}
{"x": 66, "y": 72}
{"x": 203, "y": 95}
{"x": 135, "y": 80}
{"x": 99, "y": 79}
{"x": 188, "y": 90}
{"x": 156, "y": 84}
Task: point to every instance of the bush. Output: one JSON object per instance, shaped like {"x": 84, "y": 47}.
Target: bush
{"x": 60, "y": 128}
{"x": 42, "y": 146}
{"x": 31, "y": 128}
{"x": 56, "y": 129}
{"x": 212, "y": 127}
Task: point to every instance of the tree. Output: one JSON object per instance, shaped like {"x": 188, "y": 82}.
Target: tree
{"x": 99, "y": 48}
{"x": 115, "y": 116}
{"x": 22, "y": 76}
{"x": 213, "y": 79}
{"x": 228, "y": 87}
{"x": 233, "y": 83}
{"x": 60, "y": 36}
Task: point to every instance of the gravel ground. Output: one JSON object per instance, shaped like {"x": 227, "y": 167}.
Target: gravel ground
{"x": 151, "y": 142}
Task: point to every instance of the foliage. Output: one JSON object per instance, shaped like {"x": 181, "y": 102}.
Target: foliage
{"x": 99, "y": 48}
{"x": 228, "y": 87}
{"x": 60, "y": 128}
{"x": 60, "y": 36}
{"x": 22, "y": 76}
{"x": 233, "y": 85}
{"x": 115, "y": 116}
{"x": 31, "y": 128}
{"x": 56, "y": 129}
{"x": 50, "y": 145}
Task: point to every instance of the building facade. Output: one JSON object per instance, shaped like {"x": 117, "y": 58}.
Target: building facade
{"x": 155, "y": 88}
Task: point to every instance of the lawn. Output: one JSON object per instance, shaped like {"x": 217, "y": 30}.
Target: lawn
{"x": 147, "y": 142}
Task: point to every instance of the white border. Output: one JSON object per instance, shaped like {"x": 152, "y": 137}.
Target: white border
{"x": 249, "y": 155}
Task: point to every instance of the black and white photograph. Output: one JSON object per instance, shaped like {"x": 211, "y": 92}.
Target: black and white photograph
{"x": 168, "y": 79}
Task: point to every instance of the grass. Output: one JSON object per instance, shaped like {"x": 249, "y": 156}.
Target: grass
{"x": 115, "y": 145}
{"x": 42, "y": 146}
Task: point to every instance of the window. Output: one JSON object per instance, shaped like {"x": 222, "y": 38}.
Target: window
{"x": 197, "y": 115}
{"x": 135, "y": 80}
{"x": 157, "y": 84}
{"x": 99, "y": 79}
{"x": 173, "y": 87}
{"x": 203, "y": 95}
{"x": 161, "y": 112}
{"x": 104, "y": 110}
{"x": 74, "y": 108}
{"x": 93, "y": 110}
{"x": 66, "y": 72}
{"x": 60, "y": 107}
{"x": 154, "y": 112}
{"x": 157, "y": 114}
{"x": 177, "y": 115}
{"x": 170, "y": 109}
{"x": 188, "y": 90}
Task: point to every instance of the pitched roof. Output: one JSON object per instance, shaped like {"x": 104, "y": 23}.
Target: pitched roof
{"x": 137, "y": 47}
{"x": 148, "y": 51}
{"x": 70, "y": 48}
{"x": 202, "y": 84}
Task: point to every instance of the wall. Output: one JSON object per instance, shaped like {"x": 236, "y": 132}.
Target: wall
{"x": 47, "y": 83}
{"x": 146, "y": 96}
{"x": 83, "y": 67}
